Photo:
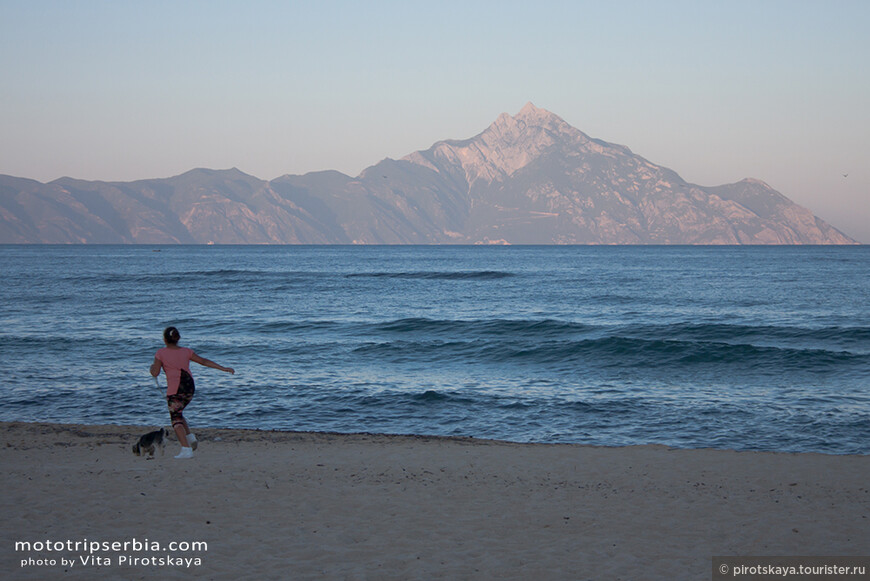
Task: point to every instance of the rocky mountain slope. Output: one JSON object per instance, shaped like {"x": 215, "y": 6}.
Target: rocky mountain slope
{"x": 526, "y": 179}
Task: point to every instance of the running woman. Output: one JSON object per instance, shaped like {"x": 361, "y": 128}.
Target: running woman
{"x": 175, "y": 363}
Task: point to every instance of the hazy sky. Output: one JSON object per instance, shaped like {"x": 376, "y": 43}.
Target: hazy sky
{"x": 717, "y": 91}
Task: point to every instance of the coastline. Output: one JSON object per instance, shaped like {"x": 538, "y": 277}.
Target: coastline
{"x": 367, "y": 506}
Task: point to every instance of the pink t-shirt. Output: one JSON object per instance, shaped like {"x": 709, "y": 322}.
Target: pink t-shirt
{"x": 174, "y": 360}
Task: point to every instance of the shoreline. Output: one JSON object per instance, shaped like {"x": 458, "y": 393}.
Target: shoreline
{"x": 131, "y": 430}
{"x": 309, "y": 505}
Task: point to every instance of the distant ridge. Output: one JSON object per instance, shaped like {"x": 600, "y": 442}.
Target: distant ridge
{"x": 527, "y": 179}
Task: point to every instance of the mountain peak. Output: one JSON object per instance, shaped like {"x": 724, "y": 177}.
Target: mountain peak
{"x": 529, "y": 109}
{"x": 509, "y": 144}
{"x": 535, "y": 115}
{"x": 529, "y": 117}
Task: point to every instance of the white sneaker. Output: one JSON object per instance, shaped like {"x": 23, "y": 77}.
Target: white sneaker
{"x": 191, "y": 439}
{"x": 185, "y": 453}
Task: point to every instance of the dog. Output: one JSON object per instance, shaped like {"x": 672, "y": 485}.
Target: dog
{"x": 148, "y": 443}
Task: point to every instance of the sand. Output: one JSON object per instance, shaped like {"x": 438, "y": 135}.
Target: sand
{"x": 280, "y": 505}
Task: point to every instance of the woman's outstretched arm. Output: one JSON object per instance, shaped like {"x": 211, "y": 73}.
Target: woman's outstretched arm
{"x": 209, "y": 363}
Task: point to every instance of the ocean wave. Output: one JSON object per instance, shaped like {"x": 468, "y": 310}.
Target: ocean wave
{"x": 280, "y": 327}
{"x": 854, "y": 340}
{"x": 355, "y": 402}
{"x": 236, "y": 274}
{"x": 435, "y": 396}
{"x": 223, "y": 275}
{"x": 737, "y": 332}
{"x": 436, "y": 275}
{"x": 617, "y": 352}
{"x": 500, "y": 327}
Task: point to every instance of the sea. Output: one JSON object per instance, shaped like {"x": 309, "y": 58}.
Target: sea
{"x": 729, "y": 347}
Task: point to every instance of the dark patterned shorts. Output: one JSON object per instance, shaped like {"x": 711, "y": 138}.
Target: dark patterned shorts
{"x": 178, "y": 401}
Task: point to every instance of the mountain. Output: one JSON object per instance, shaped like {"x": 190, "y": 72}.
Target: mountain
{"x": 527, "y": 179}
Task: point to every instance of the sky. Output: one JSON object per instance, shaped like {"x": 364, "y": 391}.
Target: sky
{"x": 717, "y": 91}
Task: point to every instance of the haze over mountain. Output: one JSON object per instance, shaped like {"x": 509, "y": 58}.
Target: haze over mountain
{"x": 527, "y": 179}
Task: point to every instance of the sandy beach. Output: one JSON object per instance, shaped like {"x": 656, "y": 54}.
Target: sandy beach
{"x": 281, "y": 505}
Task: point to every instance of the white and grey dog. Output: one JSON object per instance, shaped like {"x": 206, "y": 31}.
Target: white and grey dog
{"x": 149, "y": 443}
